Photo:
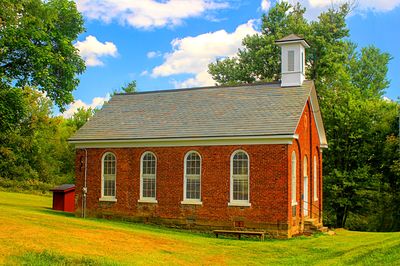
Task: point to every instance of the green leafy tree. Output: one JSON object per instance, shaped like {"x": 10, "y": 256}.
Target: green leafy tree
{"x": 129, "y": 87}
{"x": 360, "y": 166}
{"x": 259, "y": 60}
{"x": 81, "y": 116}
{"x": 36, "y": 47}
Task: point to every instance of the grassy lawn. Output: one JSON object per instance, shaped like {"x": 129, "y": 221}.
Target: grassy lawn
{"x": 32, "y": 234}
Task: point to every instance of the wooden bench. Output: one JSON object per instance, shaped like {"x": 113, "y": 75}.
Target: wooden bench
{"x": 239, "y": 233}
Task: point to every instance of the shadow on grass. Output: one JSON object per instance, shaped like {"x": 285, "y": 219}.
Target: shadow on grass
{"x": 58, "y": 213}
{"x": 51, "y": 258}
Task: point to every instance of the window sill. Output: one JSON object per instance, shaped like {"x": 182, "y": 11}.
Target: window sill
{"x": 191, "y": 202}
{"x": 294, "y": 203}
{"x": 239, "y": 204}
{"x": 108, "y": 199}
{"x": 147, "y": 201}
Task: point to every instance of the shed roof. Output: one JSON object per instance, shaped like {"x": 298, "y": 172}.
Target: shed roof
{"x": 264, "y": 109}
{"x": 63, "y": 188}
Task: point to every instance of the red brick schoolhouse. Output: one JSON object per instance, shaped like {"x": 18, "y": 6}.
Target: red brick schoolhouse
{"x": 246, "y": 156}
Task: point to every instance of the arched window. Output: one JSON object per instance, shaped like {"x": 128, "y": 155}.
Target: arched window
{"x": 294, "y": 173}
{"x": 306, "y": 189}
{"x": 192, "y": 182}
{"x": 148, "y": 177}
{"x": 315, "y": 179}
{"x": 239, "y": 178}
{"x": 109, "y": 173}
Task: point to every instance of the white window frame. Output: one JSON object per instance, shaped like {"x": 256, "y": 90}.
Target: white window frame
{"x": 148, "y": 199}
{"x": 241, "y": 203}
{"x": 315, "y": 179}
{"x": 294, "y": 178}
{"x": 185, "y": 200}
{"x": 108, "y": 198}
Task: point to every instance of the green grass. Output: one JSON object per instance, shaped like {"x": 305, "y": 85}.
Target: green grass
{"x": 33, "y": 234}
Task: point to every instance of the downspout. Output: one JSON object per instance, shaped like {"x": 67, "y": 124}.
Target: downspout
{"x": 84, "y": 189}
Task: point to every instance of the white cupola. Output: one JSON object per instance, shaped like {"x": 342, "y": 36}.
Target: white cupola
{"x": 292, "y": 60}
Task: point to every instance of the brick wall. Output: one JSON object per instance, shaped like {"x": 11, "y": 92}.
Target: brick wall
{"x": 270, "y": 181}
{"x": 307, "y": 146}
{"x": 268, "y": 186}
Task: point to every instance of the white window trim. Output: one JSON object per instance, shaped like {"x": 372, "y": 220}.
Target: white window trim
{"x": 191, "y": 202}
{"x": 294, "y": 188}
{"x": 108, "y": 198}
{"x": 315, "y": 179}
{"x": 147, "y": 199}
{"x": 239, "y": 203}
{"x": 185, "y": 200}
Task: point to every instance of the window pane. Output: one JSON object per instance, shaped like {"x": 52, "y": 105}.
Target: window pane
{"x": 193, "y": 187}
{"x": 193, "y": 164}
{"x": 149, "y": 186}
{"x": 149, "y": 164}
{"x": 315, "y": 179}
{"x": 109, "y": 175}
{"x": 240, "y": 187}
{"x": 240, "y": 166}
{"x": 294, "y": 177}
{"x": 192, "y": 176}
{"x": 149, "y": 176}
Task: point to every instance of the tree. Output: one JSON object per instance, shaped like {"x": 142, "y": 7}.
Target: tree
{"x": 130, "y": 87}
{"x": 38, "y": 65}
{"x": 81, "y": 116}
{"x": 259, "y": 60}
{"x": 361, "y": 177}
{"x": 36, "y": 47}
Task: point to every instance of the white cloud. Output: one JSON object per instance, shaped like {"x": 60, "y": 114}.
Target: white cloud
{"x": 147, "y": 14}
{"x": 315, "y": 7}
{"x": 265, "y": 5}
{"x": 91, "y": 50}
{"x": 144, "y": 73}
{"x": 153, "y": 54}
{"x": 97, "y": 102}
{"x": 191, "y": 55}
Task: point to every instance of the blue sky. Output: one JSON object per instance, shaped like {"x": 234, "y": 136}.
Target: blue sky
{"x": 168, "y": 44}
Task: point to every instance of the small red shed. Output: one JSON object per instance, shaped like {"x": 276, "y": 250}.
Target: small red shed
{"x": 64, "y": 198}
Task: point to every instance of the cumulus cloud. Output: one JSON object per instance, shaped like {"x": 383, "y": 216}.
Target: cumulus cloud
{"x": 265, "y": 5}
{"x": 153, "y": 54}
{"x": 97, "y": 102}
{"x": 91, "y": 50}
{"x": 191, "y": 55}
{"x": 147, "y": 14}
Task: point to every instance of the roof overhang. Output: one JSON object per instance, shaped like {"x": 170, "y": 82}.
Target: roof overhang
{"x": 316, "y": 110}
{"x": 182, "y": 142}
{"x": 302, "y": 41}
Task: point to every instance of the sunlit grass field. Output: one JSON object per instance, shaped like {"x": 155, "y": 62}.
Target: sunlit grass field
{"x": 32, "y": 234}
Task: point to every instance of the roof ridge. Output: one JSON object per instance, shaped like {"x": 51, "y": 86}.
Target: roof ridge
{"x": 202, "y": 88}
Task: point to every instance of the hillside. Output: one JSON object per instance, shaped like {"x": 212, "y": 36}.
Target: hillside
{"x": 33, "y": 234}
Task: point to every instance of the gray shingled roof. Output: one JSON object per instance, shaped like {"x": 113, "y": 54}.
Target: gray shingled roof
{"x": 250, "y": 110}
{"x": 291, "y": 37}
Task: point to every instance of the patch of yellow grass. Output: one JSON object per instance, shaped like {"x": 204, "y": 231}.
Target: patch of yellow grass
{"x": 28, "y": 225}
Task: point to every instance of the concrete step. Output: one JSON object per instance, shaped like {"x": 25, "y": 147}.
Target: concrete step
{"x": 323, "y": 229}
